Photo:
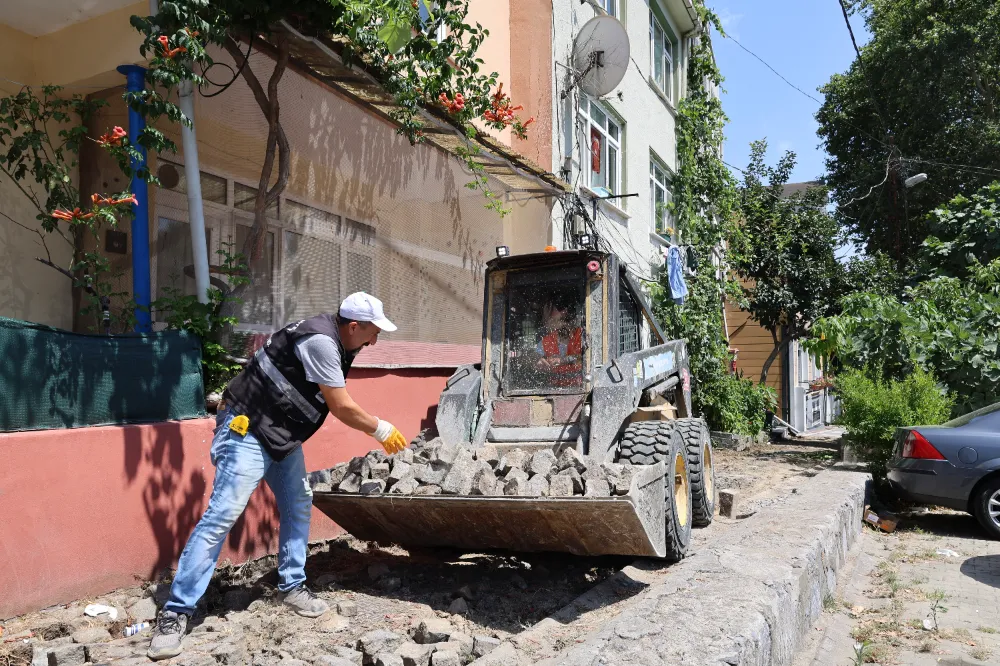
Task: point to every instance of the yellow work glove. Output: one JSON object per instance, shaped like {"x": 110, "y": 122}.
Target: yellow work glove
{"x": 389, "y": 437}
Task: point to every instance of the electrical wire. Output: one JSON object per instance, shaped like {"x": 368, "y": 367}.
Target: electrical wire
{"x": 888, "y": 167}
{"x": 236, "y": 75}
{"x": 956, "y": 166}
{"x": 776, "y": 72}
{"x": 864, "y": 70}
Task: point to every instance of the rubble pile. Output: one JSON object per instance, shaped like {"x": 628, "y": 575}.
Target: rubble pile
{"x": 439, "y": 468}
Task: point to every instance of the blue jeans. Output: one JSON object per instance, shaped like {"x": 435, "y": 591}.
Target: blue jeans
{"x": 240, "y": 463}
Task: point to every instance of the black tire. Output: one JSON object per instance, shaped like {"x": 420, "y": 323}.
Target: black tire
{"x": 647, "y": 443}
{"x": 701, "y": 469}
{"x": 985, "y": 500}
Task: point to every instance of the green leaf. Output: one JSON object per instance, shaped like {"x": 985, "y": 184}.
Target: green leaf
{"x": 395, "y": 33}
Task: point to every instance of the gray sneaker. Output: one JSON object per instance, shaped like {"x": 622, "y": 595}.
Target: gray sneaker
{"x": 304, "y": 602}
{"x": 167, "y": 635}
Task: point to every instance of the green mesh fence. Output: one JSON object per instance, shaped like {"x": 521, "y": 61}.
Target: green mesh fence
{"x": 51, "y": 378}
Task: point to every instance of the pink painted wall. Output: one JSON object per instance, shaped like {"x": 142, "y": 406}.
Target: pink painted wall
{"x": 85, "y": 511}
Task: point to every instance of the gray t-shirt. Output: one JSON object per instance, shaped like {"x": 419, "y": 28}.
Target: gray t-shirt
{"x": 320, "y": 357}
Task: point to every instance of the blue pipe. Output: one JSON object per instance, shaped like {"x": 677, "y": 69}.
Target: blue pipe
{"x": 135, "y": 78}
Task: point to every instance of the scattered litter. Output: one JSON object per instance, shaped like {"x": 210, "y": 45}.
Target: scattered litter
{"x": 133, "y": 629}
{"x": 24, "y": 635}
{"x": 886, "y": 522}
{"x": 947, "y": 552}
{"x": 93, "y": 610}
{"x": 928, "y": 624}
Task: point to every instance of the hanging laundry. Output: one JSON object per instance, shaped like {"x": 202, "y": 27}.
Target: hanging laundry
{"x": 675, "y": 275}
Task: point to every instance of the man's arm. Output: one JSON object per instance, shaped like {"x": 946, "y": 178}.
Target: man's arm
{"x": 350, "y": 413}
{"x": 347, "y": 411}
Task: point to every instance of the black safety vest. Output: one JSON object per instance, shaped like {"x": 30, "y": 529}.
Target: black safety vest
{"x": 284, "y": 408}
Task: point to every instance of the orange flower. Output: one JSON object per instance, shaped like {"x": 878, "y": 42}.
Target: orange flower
{"x": 108, "y": 201}
{"x": 76, "y": 214}
{"x": 130, "y": 199}
{"x": 113, "y": 138}
{"x": 167, "y": 51}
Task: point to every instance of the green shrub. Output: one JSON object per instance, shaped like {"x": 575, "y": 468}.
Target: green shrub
{"x": 735, "y": 404}
{"x": 872, "y": 409}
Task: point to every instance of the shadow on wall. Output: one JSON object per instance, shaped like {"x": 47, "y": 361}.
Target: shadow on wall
{"x": 174, "y": 504}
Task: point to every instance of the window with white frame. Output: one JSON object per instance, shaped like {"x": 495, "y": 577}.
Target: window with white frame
{"x": 603, "y": 152}
{"x": 663, "y": 49}
{"x": 424, "y": 8}
{"x": 661, "y": 197}
{"x": 610, "y": 6}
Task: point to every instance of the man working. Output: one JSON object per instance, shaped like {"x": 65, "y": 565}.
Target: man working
{"x": 560, "y": 348}
{"x": 279, "y": 401}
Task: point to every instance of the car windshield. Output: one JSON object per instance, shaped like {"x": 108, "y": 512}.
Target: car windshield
{"x": 545, "y": 333}
{"x": 965, "y": 418}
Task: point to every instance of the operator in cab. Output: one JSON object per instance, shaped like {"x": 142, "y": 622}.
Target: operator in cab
{"x": 271, "y": 408}
{"x": 560, "y": 347}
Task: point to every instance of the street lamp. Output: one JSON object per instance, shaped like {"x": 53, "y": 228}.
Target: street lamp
{"x": 915, "y": 180}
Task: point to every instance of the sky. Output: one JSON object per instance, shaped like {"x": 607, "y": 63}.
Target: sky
{"x": 807, "y": 42}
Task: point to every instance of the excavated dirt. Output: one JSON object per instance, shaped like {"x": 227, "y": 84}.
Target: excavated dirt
{"x": 481, "y": 594}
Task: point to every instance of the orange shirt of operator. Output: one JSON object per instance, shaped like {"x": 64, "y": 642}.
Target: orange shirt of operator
{"x": 561, "y": 349}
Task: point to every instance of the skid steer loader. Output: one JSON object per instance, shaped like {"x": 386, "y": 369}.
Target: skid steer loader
{"x": 571, "y": 357}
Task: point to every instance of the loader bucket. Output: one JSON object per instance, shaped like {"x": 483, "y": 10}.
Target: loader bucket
{"x": 630, "y": 524}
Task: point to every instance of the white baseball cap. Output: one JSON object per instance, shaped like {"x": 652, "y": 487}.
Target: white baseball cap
{"x": 360, "y": 306}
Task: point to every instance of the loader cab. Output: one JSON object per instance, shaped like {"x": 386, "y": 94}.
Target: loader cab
{"x": 554, "y": 322}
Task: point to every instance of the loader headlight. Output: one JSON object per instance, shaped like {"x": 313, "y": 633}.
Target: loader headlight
{"x": 503, "y": 251}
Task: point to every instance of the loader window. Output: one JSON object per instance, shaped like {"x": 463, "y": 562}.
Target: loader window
{"x": 545, "y": 337}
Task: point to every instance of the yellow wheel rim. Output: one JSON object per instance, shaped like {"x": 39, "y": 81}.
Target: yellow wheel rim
{"x": 681, "y": 492}
{"x": 706, "y": 470}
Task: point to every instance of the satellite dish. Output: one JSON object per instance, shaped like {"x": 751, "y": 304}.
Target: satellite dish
{"x": 600, "y": 55}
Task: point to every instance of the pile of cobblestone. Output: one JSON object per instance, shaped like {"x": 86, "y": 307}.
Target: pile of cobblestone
{"x": 439, "y": 468}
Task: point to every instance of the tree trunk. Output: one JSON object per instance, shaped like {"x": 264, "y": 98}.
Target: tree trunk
{"x": 777, "y": 349}
{"x": 277, "y": 144}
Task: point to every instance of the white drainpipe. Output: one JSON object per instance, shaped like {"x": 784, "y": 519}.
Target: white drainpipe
{"x": 192, "y": 174}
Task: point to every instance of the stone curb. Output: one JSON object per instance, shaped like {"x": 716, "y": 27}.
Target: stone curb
{"x": 746, "y": 599}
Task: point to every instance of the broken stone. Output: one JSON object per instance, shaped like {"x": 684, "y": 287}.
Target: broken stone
{"x": 325, "y": 581}
{"x": 91, "y": 635}
{"x": 541, "y": 463}
{"x": 728, "y": 501}
{"x": 231, "y": 653}
{"x": 433, "y": 474}
{"x": 575, "y": 479}
{"x": 538, "y": 486}
{"x": 484, "y": 482}
{"x": 458, "y": 607}
{"x": 388, "y": 659}
{"x": 460, "y": 643}
{"x": 406, "y": 455}
{"x": 330, "y": 660}
{"x": 347, "y": 608}
{"x": 560, "y": 486}
{"x": 445, "y": 658}
{"x": 318, "y": 477}
{"x": 350, "y": 484}
{"x": 360, "y": 466}
{"x": 348, "y": 654}
{"x": 322, "y": 488}
{"x": 517, "y": 486}
{"x": 446, "y": 453}
{"x": 414, "y": 654}
{"x": 432, "y": 630}
{"x": 512, "y": 460}
{"x": 595, "y": 473}
{"x": 488, "y": 454}
{"x": 598, "y": 488}
{"x": 459, "y": 478}
{"x": 376, "y": 456}
{"x": 68, "y": 655}
{"x": 400, "y": 471}
{"x": 380, "y": 471}
{"x": 428, "y": 490}
{"x": 331, "y": 624}
{"x": 619, "y": 477}
{"x": 376, "y": 642}
{"x": 404, "y": 487}
{"x": 570, "y": 459}
{"x": 483, "y": 645}
{"x": 373, "y": 487}
{"x": 143, "y": 610}
{"x": 377, "y": 570}
{"x": 337, "y": 474}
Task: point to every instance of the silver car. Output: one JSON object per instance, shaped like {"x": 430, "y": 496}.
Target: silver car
{"x": 956, "y": 465}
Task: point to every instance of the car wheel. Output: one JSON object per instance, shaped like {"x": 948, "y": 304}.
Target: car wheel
{"x": 986, "y": 506}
